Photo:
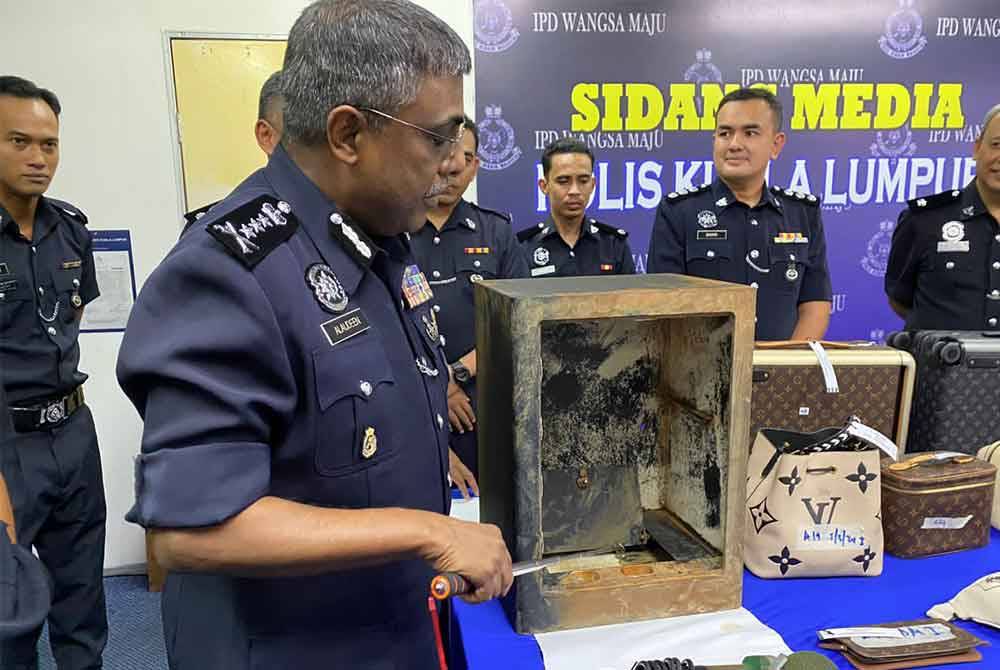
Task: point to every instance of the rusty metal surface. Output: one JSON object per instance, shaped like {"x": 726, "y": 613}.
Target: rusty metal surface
{"x": 605, "y": 512}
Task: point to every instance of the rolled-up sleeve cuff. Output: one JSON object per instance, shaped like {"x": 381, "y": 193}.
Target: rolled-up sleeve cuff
{"x": 199, "y": 486}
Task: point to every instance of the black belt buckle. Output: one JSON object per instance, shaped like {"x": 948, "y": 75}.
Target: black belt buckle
{"x": 48, "y": 415}
{"x": 54, "y": 413}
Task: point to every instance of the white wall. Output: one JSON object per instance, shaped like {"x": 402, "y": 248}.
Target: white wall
{"x": 105, "y": 61}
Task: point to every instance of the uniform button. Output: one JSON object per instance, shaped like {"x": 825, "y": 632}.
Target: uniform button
{"x": 950, "y": 265}
{"x": 996, "y": 265}
{"x": 754, "y": 254}
{"x": 995, "y": 293}
{"x": 440, "y": 422}
{"x": 437, "y": 240}
{"x": 41, "y": 291}
{"x": 753, "y": 222}
{"x": 997, "y": 238}
{"x": 476, "y": 264}
{"x": 710, "y": 254}
{"x": 52, "y": 331}
{"x": 754, "y": 285}
{"x": 791, "y": 257}
{"x": 572, "y": 254}
{"x": 76, "y": 283}
{"x": 992, "y": 321}
{"x": 435, "y": 274}
{"x": 366, "y": 387}
{"x": 2, "y": 296}
{"x": 35, "y": 251}
{"x": 442, "y": 341}
{"x": 437, "y": 308}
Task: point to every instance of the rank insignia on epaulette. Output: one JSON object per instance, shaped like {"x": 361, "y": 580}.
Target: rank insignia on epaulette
{"x": 415, "y": 288}
{"x": 255, "y": 229}
{"x": 477, "y": 250}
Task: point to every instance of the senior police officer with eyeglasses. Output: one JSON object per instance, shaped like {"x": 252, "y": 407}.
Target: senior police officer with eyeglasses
{"x": 283, "y": 356}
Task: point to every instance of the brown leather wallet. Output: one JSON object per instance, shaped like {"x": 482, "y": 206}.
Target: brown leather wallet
{"x": 957, "y": 649}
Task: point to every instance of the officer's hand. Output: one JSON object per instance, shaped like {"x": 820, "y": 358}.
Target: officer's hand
{"x": 460, "y": 412}
{"x": 461, "y": 475}
{"x": 477, "y": 552}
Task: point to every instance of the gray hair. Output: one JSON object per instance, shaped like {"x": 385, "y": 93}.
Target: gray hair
{"x": 269, "y": 93}
{"x": 365, "y": 53}
{"x": 990, "y": 115}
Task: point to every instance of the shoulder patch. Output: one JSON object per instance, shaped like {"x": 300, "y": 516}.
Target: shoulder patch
{"x": 609, "y": 230}
{"x": 255, "y": 229}
{"x": 74, "y": 212}
{"x": 934, "y": 201}
{"x": 684, "y": 193}
{"x": 506, "y": 216}
{"x": 798, "y": 196}
{"x": 528, "y": 233}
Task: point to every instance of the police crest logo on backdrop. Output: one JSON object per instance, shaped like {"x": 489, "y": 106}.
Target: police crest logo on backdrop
{"x": 496, "y": 147}
{"x": 494, "y": 26}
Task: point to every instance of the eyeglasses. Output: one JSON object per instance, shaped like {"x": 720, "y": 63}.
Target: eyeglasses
{"x": 440, "y": 141}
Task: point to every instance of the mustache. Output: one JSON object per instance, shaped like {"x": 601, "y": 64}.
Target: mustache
{"x": 437, "y": 188}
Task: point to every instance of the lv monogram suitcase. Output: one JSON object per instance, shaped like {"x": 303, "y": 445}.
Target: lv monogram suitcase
{"x": 936, "y": 503}
{"x": 791, "y": 391}
{"x": 957, "y": 394}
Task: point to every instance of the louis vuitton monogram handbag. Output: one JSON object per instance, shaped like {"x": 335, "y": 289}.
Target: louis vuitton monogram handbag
{"x": 813, "y": 503}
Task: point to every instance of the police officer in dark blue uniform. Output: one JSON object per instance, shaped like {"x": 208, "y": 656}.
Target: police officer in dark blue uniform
{"x": 461, "y": 244}
{"x": 51, "y": 460}
{"x": 289, "y": 368}
{"x": 738, "y": 230}
{"x": 944, "y": 266}
{"x": 568, "y": 243}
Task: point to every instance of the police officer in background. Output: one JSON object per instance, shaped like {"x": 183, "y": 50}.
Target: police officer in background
{"x": 738, "y": 230}
{"x": 267, "y": 130}
{"x": 569, "y": 244}
{"x": 50, "y": 461}
{"x": 944, "y": 266}
{"x": 288, "y": 365}
{"x": 461, "y": 244}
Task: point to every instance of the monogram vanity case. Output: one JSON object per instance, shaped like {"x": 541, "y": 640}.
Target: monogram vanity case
{"x": 936, "y": 503}
{"x": 795, "y": 389}
{"x": 613, "y": 417}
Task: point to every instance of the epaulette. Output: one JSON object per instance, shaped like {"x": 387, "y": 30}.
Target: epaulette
{"x": 72, "y": 210}
{"x": 677, "y": 196}
{"x": 800, "y": 196}
{"x": 253, "y": 230}
{"x": 605, "y": 228}
{"x": 506, "y": 216}
{"x": 933, "y": 201}
{"x": 528, "y": 233}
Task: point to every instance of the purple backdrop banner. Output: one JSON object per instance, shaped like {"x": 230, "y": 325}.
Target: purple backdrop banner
{"x": 883, "y": 99}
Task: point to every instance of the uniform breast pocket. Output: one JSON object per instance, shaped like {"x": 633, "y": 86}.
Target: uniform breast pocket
{"x": 15, "y": 302}
{"x": 474, "y": 268}
{"x": 705, "y": 259}
{"x": 355, "y": 392}
{"x": 789, "y": 264}
{"x": 67, "y": 284}
{"x": 956, "y": 269}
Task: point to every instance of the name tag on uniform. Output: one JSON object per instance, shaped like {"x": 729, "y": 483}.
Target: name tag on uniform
{"x": 477, "y": 250}
{"x": 547, "y": 270}
{"x": 950, "y": 247}
{"x": 713, "y": 235}
{"x": 345, "y": 326}
{"x": 69, "y": 265}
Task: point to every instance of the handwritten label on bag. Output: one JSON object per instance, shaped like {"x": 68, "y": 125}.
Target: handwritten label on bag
{"x": 863, "y": 432}
{"x": 922, "y": 634}
{"x": 945, "y": 522}
{"x": 838, "y": 633}
{"x": 831, "y": 536}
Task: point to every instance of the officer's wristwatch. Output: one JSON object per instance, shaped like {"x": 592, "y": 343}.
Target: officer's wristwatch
{"x": 460, "y": 372}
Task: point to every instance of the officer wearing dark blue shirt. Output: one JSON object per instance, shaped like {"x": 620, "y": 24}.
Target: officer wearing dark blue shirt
{"x": 462, "y": 244}
{"x": 50, "y": 460}
{"x": 944, "y": 266}
{"x": 738, "y": 230}
{"x": 288, "y": 366}
{"x": 568, "y": 243}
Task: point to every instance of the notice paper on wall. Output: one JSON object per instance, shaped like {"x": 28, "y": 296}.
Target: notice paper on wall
{"x": 116, "y": 279}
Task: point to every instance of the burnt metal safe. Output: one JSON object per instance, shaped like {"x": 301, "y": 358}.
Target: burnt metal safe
{"x": 613, "y": 415}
